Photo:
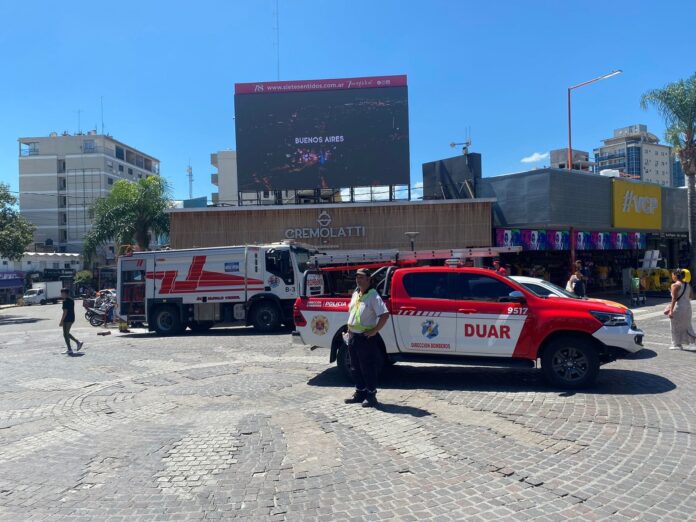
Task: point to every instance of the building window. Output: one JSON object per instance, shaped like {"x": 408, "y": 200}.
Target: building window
{"x": 67, "y": 265}
{"x": 110, "y": 166}
{"x": 120, "y": 168}
{"x": 110, "y": 181}
{"x": 120, "y": 153}
{"x": 4, "y": 263}
{"x": 89, "y": 146}
{"x": 130, "y": 172}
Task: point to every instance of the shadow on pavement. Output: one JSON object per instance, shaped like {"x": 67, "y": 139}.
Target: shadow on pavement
{"x": 16, "y": 319}
{"x": 645, "y": 353}
{"x": 398, "y": 409}
{"x": 460, "y": 378}
{"x": 217, "y": 332}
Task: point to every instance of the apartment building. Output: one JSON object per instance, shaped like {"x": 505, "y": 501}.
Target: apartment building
{"x": 636, "y": 153}
{"x": 60, "y": 178}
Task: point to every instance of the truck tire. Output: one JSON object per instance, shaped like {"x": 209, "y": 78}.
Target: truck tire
{"x": 167, "y": 321}
{"x": 265, "y": 317}
{"x": 570, "y": 362}
{"x": 42, "y": 302}
{"x": 201, "y": 326}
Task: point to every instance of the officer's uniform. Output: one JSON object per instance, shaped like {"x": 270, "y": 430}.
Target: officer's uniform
{"x": 364, "y": 313}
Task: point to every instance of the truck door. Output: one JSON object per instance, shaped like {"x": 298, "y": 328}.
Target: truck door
{"x": 280, "y": 273}
{"x": 425, "y": 320}
{"x": 487, "y": 324}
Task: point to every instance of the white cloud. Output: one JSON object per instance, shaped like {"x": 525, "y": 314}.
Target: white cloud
{"x": 535, "y": 158}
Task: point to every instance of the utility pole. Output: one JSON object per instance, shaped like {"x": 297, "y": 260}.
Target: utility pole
{"x": 277, "y": 35}
{"x": 189, "y": 173}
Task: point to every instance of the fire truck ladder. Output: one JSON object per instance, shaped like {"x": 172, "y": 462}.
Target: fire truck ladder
{"x": 396, "y": 257}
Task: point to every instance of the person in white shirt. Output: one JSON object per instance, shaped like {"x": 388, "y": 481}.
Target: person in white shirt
{"x": 367, "y": 315}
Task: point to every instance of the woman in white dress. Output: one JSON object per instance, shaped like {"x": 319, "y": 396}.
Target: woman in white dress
{"x": 679, "y": 312}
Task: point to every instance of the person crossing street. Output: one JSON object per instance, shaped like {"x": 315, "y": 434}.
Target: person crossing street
{"x": 67, "y": 320}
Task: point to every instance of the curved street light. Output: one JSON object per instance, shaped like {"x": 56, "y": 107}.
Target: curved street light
{"x": 571, "y": 89}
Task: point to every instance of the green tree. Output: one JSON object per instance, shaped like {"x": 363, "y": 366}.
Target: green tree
{"x": 129, "y": 214}
{"x": 16, "y": 233}
{"x": 676, "y": 103}
{"x": 83, "y": 277}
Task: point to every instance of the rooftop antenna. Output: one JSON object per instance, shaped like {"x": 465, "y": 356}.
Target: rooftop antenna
{"x": 101, "y": 100}
{"x": 277, "y": 35}
{"x": 189, "y": 173}
{"x": 465, "y": 146}
{"x": 79, "y": 122}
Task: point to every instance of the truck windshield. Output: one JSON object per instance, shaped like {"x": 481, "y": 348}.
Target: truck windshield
{"x": 31, "y": 292}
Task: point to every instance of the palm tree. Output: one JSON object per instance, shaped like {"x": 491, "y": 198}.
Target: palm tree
{"x": 130, "y": 214}
{"x": 676, "y": 103}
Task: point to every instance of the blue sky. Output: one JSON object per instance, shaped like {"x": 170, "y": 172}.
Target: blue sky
{"x": 498, "y": 68}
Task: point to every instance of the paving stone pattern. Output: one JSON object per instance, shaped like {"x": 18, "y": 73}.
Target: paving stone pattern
{"x": 233, "y": 425}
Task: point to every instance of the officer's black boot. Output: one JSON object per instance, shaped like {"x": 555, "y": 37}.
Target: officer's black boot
{"x": 356, "y": 398}
{"x": 370, "y": 400}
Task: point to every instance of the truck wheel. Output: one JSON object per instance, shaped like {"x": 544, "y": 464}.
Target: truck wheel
{"x": 42, "y": 302}
{"x": 265, "y": 317}
{"x": 201, "y": 326}
{"x": 570, "y": 363}
{"x": 167, "y": 321}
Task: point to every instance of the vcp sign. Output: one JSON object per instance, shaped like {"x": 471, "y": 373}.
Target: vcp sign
{"x": 324, "y": 230}
{"x": 636, "y": 205}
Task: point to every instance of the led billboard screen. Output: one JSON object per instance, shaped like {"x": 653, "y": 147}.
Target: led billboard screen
{"x": 322, "y": 133}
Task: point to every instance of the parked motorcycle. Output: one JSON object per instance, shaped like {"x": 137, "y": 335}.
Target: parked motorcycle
{"x": 101, "y": 316}
{"x": 98, "y": 305}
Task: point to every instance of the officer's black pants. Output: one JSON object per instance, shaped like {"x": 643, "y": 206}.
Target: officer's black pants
{"x": 364, "y": 362}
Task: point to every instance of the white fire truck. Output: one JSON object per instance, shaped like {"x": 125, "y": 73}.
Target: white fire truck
{"x": 198, "y": 288}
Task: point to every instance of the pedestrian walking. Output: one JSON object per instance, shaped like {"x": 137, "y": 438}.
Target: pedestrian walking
{"x": 67, "y": 320}
{"x": 367, "y": 314}
{"x": 679, "y": 312}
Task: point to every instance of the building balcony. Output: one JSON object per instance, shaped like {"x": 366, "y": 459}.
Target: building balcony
{"x": 214, "y": 179}
{"x": 609, "y": 156}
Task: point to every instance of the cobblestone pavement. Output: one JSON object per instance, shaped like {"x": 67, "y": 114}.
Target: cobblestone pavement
{"x": 235, "y": 425}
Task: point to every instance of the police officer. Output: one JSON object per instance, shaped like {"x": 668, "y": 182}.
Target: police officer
{"x": 367, "y": 315}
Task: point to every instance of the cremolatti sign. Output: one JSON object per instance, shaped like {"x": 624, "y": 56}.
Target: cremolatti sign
{"x": 325, "y": 230}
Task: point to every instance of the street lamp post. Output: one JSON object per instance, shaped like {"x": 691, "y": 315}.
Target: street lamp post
{"x": 412, "y": 237}
{"x": 571, "y": 89}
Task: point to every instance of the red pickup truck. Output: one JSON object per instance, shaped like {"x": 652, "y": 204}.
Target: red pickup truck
{"x": 475, "y": 316}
